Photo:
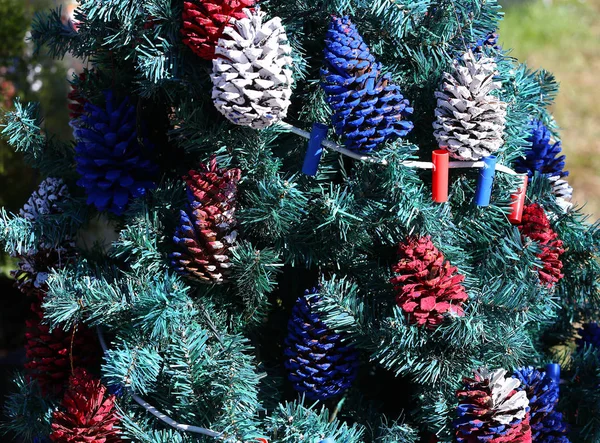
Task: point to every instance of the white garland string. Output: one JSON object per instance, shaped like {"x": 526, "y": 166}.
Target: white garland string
{"x": 408, "y": 163}
{"x": 152, "y": 410}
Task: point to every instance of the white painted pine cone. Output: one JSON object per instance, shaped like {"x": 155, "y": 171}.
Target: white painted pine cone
{"x": 43, "y": 201}
{"x": 469, "y": 121}
{"x": 563, "y": 192}
{"x": 251, "y": 76}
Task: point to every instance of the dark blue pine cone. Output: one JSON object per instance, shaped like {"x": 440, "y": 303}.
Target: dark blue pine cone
{"x": 113, "y": 164}
{"x": 319, "y": 363}
{"x": 368, "y": 109}
{"x": 546, "y": 424}
{"x": 542, "y": 155}
{"x": 489, "y": 41}
{"x": 590, "y": 335}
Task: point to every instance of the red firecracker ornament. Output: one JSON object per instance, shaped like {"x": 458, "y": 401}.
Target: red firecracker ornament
{"x": 204, "y": 21}
{"x": 536, "y": 226}
{"x": 50, "y": 355}
{"x": 87, "y": 414}
{"x": 427, "y": 287}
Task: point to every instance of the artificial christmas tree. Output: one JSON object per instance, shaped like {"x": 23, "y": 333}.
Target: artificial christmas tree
{"x": 198, "y": 302}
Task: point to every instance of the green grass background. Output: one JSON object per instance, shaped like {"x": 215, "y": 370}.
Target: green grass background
{"x": 564, "y": 37}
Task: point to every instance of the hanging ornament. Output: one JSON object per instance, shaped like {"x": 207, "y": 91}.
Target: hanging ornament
{"x": 252, "y": 79}
{"x": 590, "y": 335}
{"x": 205, "y": 20}
{"x": 491, "y": 410}
{"x": 469, "y": 120}
{"x": 368, "y": 108}
{"x": 112, "y": 160}
{"x": 320, "y": 363}
{"x": 50, "y": 354}
{"x": 546, "y": 423}
{"x": 535, "y": 226}
{"x": 427, "y": 287}
{"x": 34, "y": 265}
{"x": 86, "y": 414}
{"x": 206, "y": 232}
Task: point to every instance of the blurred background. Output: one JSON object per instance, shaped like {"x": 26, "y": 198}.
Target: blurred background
{"x": 562, "y": 36}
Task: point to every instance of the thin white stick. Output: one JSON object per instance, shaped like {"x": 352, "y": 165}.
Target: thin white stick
{"x": 408, "y": 163}
{"x": 152, "y": 410}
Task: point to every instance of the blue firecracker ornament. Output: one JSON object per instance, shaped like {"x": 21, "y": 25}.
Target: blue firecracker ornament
{"x": 542, "y": 156}
{"x": 319, "y": 363}
{"x": 368, "y": 108}
{"x": 546, "y": 424}
{"x": 590, "y": 335}
{"x": 112, "y": 161}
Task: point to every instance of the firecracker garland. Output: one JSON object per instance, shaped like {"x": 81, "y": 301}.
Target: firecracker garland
{"x": 427, "y": 286}
{"x": 469, "y": 120}
{"x": 252, "y": 79}
{"x": 86, "y": 414}
{"x": 491, "y": 410}
{"x": 536, "y": 226}
{"x": 113, "y": 160}
{"x": 320, "y": 363}
{"x": 368, "y": 108}
{"x": 542, "y": 391}
{"x": 205, "y": 20}
{"x": 207, "y": 228}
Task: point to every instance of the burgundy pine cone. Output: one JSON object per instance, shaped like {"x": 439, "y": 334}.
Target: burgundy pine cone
{"x": 86, "y": 413}
{"x": 427, "y": 287}
{"x": 76, "y": 101}
{"x": 536, "y": 226}
{"x": 50, "y": 355}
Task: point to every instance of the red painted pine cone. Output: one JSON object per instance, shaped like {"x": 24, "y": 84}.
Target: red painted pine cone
{"x": 204, "y": 21}
{"x": 87, "y": 414}
{"x": 427, "y": 287}
{"x": 536, "y": 226}
{"x": 51, "y": 354}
